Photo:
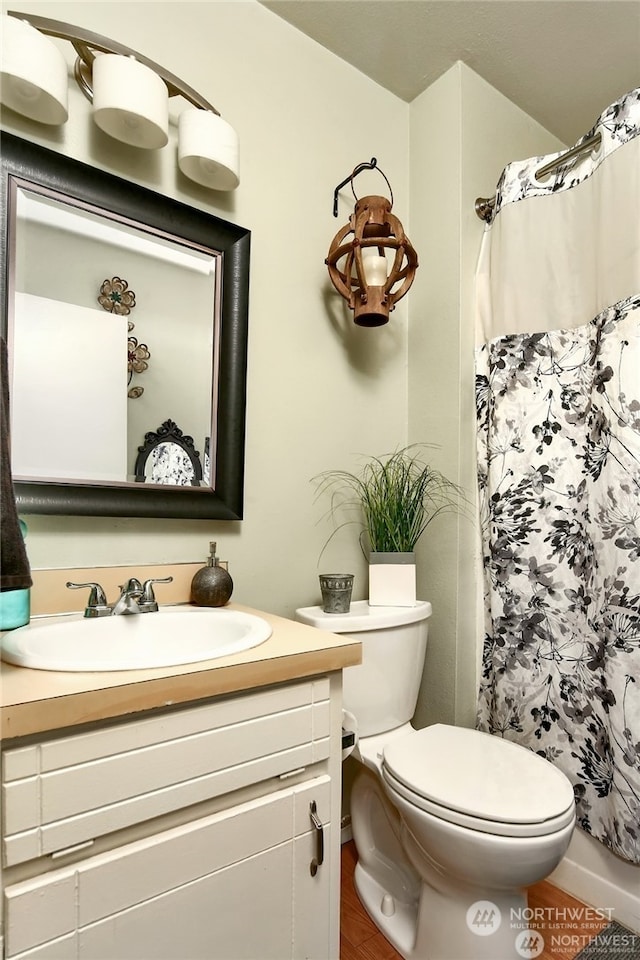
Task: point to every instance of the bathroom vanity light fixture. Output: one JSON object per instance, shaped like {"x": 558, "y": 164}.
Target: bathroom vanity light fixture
{"x": 371, "y": 261}
{"x": 129, "y": 92}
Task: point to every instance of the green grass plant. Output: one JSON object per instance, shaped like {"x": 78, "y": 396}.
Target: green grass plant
{"x": 394, "y": 498}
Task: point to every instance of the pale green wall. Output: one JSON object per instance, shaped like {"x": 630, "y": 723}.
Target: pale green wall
{"x": 463, "y": 132}
{"x": 321, "y": 391}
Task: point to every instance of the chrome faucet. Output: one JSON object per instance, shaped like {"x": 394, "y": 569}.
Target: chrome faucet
{"x": 128, "y": 601}
{"x": 134, "y": 598}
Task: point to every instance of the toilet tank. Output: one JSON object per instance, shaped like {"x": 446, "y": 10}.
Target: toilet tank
{"x": 382, "y": 691}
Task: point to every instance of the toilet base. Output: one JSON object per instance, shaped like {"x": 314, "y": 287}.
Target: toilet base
{"x": 440, "y": 926}
{"x": 425, "y": 912}
{"x": 398, "y": 927}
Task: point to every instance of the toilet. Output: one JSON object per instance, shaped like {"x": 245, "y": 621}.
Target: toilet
{"x": 450, "y": 824}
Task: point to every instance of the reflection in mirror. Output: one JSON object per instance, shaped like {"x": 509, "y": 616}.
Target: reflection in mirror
{"x": 71, "y": 358}
{"x": 168, "y": 456}
{"x": 124, "y": 309}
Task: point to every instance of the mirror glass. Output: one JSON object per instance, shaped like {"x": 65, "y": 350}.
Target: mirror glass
{"x": 126, "y": 311}
{"x": 104, "y": 368}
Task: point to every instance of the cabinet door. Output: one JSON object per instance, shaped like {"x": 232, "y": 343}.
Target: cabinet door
{"x": 243, "y": 912}
{"x": 240, "y": 913}
{"x": 312, "y": 900}
{"x": 225, "y": 887}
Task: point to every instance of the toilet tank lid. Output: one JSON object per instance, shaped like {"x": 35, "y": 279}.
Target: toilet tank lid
{"x": 363, "y": 617}
{"x": 479, "y": 774}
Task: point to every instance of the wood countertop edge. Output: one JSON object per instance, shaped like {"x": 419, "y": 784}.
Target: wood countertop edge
{"x": 110, "y": 702}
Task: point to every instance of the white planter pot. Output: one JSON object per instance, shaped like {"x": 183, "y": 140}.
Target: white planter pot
{"x": 392, "y": 579}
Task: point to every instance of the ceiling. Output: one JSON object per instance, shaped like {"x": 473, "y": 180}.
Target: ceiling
{"x": 561, "y": 61}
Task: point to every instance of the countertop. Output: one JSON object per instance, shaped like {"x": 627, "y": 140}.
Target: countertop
{"x": 35, "y": 701}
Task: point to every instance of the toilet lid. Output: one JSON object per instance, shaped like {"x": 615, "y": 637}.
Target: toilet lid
{"x": 479, "y": 775}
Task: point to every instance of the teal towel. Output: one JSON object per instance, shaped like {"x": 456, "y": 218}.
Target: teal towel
{"x": 15, "y": 573}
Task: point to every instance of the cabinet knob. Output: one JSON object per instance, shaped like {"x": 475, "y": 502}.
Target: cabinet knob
{"x": 317, "y": 826}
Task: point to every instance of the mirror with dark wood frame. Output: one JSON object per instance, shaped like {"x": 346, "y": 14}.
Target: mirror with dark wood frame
{"x": 123, "y": 310}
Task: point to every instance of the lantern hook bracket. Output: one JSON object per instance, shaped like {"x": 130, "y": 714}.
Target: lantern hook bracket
{"x": 371, "y": 165}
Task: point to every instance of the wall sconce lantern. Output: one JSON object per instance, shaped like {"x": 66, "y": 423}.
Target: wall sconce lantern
{"x": 371, "y": 260}
{"x": 129, "y": 92}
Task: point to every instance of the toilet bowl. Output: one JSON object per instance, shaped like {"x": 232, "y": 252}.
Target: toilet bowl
{"x": 450, "y": 824}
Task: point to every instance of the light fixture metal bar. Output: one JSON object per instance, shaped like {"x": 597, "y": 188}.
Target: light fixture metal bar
{"x": 85, "y": 42}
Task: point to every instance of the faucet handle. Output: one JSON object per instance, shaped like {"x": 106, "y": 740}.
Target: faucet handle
{"x": 149, "y": 601}
{"x": 147, "y": 590}
{"x": 97, "y": 605}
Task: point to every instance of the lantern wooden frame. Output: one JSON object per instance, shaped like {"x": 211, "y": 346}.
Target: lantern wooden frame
{"x": 372, "y": 225}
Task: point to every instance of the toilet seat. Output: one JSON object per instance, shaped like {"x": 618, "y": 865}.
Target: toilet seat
{"x": 495, "y": 827}
{"x": 479, "y": 781}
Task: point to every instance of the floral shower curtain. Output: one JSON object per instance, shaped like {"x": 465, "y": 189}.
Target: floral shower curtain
{"x": 558, "y": 407}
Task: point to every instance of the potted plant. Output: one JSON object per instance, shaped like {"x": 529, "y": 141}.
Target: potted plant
{"x": 395, "y": 498}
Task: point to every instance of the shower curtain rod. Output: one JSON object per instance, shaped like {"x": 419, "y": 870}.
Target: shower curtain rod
{"x": 485, "y": 205}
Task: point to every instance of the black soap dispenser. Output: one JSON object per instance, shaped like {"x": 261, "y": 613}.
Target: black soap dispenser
{"x": 212, "y": 585}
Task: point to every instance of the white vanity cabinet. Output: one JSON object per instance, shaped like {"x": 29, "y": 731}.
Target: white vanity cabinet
{"x": 206, "y": 831}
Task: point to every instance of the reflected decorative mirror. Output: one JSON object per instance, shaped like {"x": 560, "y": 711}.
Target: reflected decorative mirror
{"x": 77, "y": 428}
{"x": 168, "y": 456}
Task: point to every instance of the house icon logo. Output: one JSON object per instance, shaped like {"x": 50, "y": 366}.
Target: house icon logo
{"x": 529, "y": 944}
{"x": 484, "y": 918}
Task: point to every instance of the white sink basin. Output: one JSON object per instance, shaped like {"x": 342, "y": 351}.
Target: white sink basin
{"x": 168, "y": 638}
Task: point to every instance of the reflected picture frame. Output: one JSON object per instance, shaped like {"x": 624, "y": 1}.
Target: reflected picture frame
{"x": 170, "y": 454}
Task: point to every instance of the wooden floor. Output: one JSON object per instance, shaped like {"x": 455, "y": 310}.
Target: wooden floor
{"x": 360, "y": 939}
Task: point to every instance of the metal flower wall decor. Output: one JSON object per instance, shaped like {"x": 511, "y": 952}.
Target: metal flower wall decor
{"x": 137, "y": 356}
{"x": 115, "y": 297}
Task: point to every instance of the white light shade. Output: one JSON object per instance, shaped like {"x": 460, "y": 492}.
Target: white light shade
{"x": 33, "y": 80}
{"x": 130, "y": 101}
{"x": 375, "y": 268}
{"x": 208, "y": 149}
